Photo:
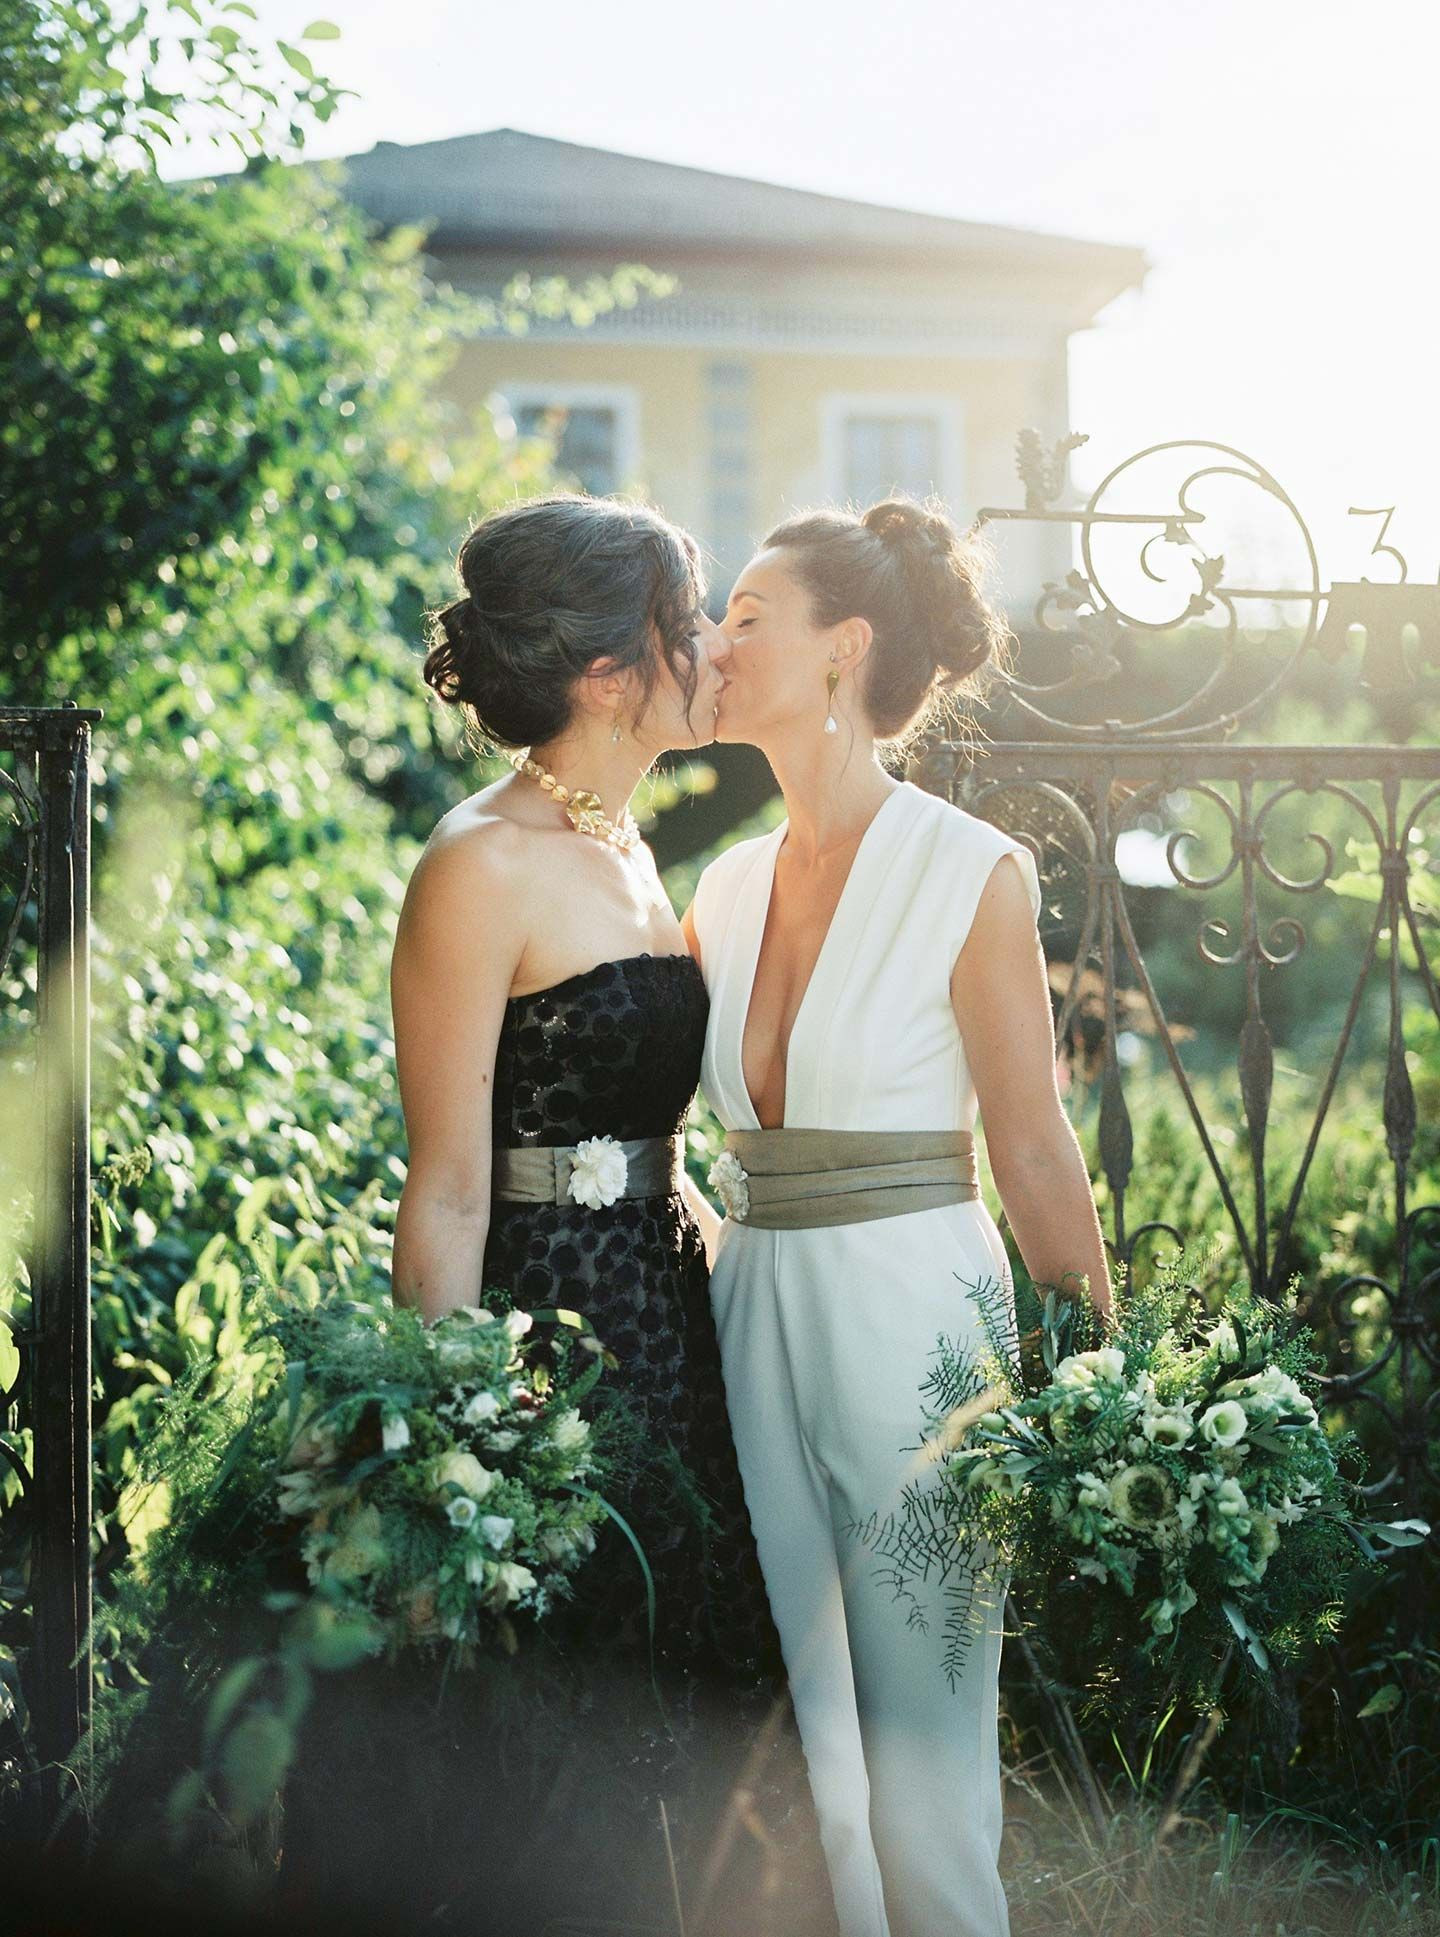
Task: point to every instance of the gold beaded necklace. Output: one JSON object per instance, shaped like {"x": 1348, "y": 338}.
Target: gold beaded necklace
{"x": 582, "y": 808}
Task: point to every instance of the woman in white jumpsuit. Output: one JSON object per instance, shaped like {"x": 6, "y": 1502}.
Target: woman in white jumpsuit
{"x": 830, "y": 1288}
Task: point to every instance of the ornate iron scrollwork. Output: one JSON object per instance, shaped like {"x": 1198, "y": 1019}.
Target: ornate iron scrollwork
{"x": 1158, "y": 554}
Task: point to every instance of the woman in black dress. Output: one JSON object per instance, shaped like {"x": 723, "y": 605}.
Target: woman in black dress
{"x": 549, "y": 1024}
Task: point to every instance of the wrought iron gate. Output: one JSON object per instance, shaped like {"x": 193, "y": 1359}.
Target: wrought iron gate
{"x": 45, "y": 1589}
{"x": 1076, "y": 786}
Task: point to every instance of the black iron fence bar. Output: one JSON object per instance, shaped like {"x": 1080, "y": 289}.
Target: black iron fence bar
{"x": 1172, "y": 762}
{"x": 60, "y": 1685}
{"x": 30, "y": 729}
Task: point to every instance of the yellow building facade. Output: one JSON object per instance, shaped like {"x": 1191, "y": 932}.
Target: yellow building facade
{"x": 811, "y": 350}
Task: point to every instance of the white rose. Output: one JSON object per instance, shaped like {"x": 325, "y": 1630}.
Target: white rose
{"x": 509, "y": 1581}
{"x": 496, "y": 1528}
{"x": 395, "y": 1433}
{"x": 466, "y": 1472}
{"x": 482, "y": 1407}
{"x": 597, "y": 1172}
{"x": 730, "y": 1181}
{"x": 1224, "y": 1423}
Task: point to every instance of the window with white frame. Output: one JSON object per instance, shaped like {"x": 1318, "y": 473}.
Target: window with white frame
{"x": 594, "y": 428}
{"x": 873, "y": 445}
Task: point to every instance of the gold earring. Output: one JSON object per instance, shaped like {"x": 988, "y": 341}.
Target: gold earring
{"x": 832, "y": 680}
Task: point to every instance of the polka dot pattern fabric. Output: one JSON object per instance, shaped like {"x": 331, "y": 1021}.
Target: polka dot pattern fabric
{"x": 615, "y": 1051}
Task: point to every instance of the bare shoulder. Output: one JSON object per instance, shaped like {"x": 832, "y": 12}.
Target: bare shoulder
{"x": 479, "y": 863}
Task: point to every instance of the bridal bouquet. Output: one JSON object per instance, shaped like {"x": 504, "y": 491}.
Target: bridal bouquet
{"x": 1164, "y": 1489}
{"x": 383, "y": 1489}
{"x": 430, "y": 1480}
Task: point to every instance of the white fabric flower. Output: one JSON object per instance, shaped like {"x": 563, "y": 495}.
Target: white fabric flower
{"x": 730, "y": 1181}
{"x": 597, "y": 1172}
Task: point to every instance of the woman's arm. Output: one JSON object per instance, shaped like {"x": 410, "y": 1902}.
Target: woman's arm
{"x": 1001, "y": 997}
{"x": 460, "y": 938}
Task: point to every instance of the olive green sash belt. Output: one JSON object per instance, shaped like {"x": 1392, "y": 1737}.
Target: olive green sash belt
{"x": 536, "y": 1174}
{"x": 801, "y": 1180}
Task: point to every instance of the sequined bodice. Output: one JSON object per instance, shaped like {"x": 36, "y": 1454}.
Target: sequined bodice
{"x": 614, "y": 1051}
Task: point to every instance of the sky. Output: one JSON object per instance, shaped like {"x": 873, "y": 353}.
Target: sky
{"x": 1278, "y": 162}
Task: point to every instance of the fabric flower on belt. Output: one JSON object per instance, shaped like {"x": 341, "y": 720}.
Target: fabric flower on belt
{"x": 730, "y": 1182}
{"x": 597, "y": 1172}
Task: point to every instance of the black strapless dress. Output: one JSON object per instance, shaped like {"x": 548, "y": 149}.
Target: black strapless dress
{"x": 615, "y": 1051}
{"x": 528, "y": 1799}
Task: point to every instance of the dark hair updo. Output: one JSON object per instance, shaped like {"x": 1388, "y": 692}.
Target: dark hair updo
{"x": 551, "y": 586}
{"x": 905, "y": 568}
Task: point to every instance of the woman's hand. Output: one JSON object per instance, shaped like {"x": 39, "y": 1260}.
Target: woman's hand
{"x": 1001, "y": 996}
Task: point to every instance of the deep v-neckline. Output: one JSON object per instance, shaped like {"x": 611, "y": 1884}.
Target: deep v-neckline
{"x": 757, "y": 948}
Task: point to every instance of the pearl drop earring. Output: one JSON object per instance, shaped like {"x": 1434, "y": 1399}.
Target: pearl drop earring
{"x": 832, "y": 680}
{"x": 615, "y": 729}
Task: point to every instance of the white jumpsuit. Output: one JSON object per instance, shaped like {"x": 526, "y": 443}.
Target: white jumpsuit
{"x": 826, "y": 1336}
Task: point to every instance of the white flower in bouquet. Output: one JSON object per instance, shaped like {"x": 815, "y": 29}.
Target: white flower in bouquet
{"x": 509, "y": 1582}
{"x": 1230, "y": 1504}
{"x": 496, "y": 1528}
{"x": 1141, "y": 1496}
{"x": 314, "y": 1444}
{"x": 483, "y": 1406}
{"x": 1276, "y": 1393}
{"x": 568, "y": 1431}
{"x": 1082, "y": 1370}
{"x": 517, "y": 1324}
{"x": 360, "y": 1548}
{"x": 395, "y": 1433}
{"x": 1094, "y": 1492}
{"x": 466, "y": 1472}
{"x": 1168, "y": 1428}
{"x": 453, "y": 1627}
{"x": 1164, "y": 1613}
{"x": 462, "y": 1511}
{"x": 1224, "y": 1342}
{"x": 598, "y": 1172}
{"x": 1224, "y": 1424}
{"x": 502, "y": 1442}
{"x": 297, "y": 1493}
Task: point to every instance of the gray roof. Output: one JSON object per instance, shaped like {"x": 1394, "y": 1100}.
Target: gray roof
{"x": 507, "y": 189}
